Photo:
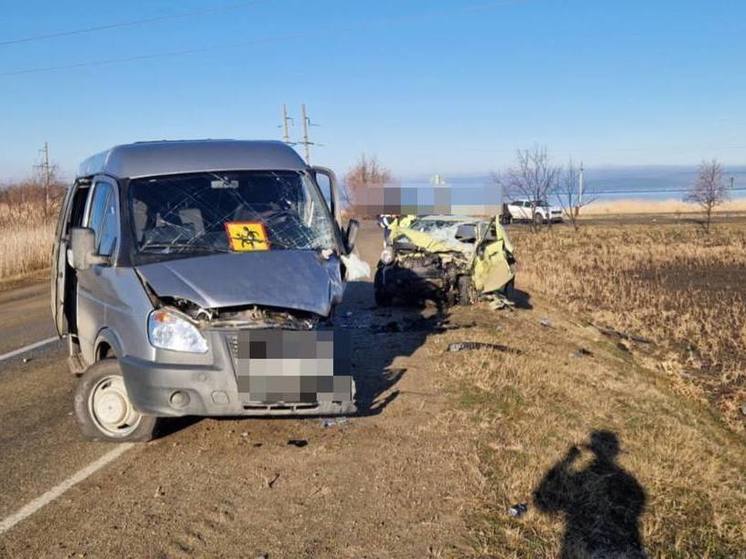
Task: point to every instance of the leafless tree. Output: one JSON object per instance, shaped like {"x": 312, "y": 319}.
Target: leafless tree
{"x": 533, "y": 177}
{"x": 709, "y": 190}
{"x": 367, "y": 174}
{"x": 568, "y": 194}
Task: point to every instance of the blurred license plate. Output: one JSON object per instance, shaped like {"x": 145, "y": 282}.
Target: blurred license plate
{"x": 293, "y": 366}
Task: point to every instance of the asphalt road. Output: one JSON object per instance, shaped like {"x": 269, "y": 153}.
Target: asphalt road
{"x": 224, "y": 487}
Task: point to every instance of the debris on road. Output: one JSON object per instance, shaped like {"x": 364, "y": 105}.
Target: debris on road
{"x": 468, "y": 346}
{"x": 271, "y": 482}
{"x": 332, "y": 421}
{"x": 300, "y": 443}
{"x": 518, "y": 510}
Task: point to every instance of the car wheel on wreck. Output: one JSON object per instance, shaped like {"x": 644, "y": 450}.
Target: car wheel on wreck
{"x": 103, "y": 409}
{"x": 466, "y": 292}
{"x": 382, "y": 297}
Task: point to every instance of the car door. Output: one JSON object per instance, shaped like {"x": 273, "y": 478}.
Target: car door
{"x": 95, "y": 285}
{"x": 59, "y": 264}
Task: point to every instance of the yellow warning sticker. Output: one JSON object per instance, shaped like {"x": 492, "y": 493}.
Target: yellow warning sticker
{"x": 246, "y": 236}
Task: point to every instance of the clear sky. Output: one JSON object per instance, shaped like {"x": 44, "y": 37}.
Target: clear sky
{"x": 452, "y": 87}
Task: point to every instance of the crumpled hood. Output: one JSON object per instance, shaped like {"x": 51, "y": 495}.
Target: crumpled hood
{"x": 291, "y": 279}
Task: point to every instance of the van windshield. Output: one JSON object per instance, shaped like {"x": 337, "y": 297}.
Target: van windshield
{"x": 239, "y": 211}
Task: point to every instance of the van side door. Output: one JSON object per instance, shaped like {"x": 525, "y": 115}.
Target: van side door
{"x": 95, "y": 288}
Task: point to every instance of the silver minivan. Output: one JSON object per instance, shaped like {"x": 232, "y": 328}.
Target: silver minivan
{"x": 200, "y": 278}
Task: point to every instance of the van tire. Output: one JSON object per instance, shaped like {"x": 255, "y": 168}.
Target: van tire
{"x": 104, "y": 378}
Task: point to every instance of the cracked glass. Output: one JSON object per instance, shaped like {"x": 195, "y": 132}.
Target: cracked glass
{"x": 188, "y": 215}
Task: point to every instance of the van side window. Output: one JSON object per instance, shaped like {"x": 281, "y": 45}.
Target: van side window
{"x": 103, "y": 218}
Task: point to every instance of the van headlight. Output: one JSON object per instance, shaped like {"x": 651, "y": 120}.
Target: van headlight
{"x": 168, "y": 330}
{"x": 387, "y": 256}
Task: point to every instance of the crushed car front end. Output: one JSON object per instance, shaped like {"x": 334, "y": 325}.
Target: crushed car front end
{"x": 443, "y": 258}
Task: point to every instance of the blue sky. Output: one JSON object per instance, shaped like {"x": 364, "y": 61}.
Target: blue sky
{"x": 452, "y": 87}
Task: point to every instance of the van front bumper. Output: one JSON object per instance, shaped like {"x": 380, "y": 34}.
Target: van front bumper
{"x": 215, "y": 389}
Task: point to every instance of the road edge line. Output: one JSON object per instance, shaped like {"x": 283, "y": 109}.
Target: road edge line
{"x": 43, "y": 500}
{"x": 24, "y": 349}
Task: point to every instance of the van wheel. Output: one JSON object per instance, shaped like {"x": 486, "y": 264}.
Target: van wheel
{"x": 103, "y": 409}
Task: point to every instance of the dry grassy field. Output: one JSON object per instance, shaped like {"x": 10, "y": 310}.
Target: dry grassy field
{"x": 25, "y": 239}
{"x": 672, "y": 284}
{"x": 676, "y": 484}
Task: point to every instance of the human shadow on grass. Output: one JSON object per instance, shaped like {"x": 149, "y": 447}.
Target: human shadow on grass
{"x": 601, "y": 503}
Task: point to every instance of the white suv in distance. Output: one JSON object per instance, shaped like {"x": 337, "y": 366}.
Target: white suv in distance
{"x": 538, "y": 211}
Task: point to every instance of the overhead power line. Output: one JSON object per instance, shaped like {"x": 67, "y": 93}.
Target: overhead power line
{"x": 356, "y": 27}
{"x": 130, "y": 23}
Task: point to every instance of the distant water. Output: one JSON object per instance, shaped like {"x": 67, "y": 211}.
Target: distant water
{"x": 640, "y": 183}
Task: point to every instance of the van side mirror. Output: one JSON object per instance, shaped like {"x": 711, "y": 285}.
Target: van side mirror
{"x": 353, "y": 226}
{"x": 83, "y": 247}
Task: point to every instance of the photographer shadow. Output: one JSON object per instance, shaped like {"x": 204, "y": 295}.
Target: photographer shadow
{"x": 602, "y": 502}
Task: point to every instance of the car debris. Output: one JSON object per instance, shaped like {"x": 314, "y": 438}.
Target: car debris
{"x": 447, "y": 259}
{"x": 518, "y": 510}
{"x": 327, "y": 422}
{"x": 468, "y": 346}
{"x": 612, "y": 333}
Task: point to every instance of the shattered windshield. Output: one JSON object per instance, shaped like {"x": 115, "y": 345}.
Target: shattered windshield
{"x": 236, "y": 211}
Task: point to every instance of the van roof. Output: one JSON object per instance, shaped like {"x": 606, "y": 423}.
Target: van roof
{"x": 168, "y": 157}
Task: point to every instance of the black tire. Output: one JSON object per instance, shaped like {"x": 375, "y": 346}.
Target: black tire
{"x": 466, "y": 295}
{"x": 139, "y": 428}
{"x": 382, "y": 297}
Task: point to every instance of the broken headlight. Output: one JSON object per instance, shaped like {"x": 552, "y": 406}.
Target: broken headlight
{"x": 388, "y": 255}
{"x": 169, "y": 330}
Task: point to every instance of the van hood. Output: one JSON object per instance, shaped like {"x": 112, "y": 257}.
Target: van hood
{"x": 289, "y": 279}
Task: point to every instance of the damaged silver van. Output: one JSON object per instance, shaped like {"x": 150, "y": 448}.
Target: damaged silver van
{"x": 200, "y": 278}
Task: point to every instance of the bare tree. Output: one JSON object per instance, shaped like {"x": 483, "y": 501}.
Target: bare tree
{"x": 709, "y": 190}
{"x": 367, "y": 174}
{"x": 533, "y": 178}
{"x": 568, "y": 196}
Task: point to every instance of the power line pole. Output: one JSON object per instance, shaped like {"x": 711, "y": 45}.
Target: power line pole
{"x": 581, "y": 185}
{"x": 285, "y": 120}
{"x": 46, "y": 171}
{"x": 307, "y": 143}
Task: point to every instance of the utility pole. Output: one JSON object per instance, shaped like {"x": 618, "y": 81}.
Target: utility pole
{"x": 307, "y": 143}
{"x": 46, "y": 170}
{"x": 581, "y": 185}
{"x": 285, "y": 120}
{"x": 732, "y": 181}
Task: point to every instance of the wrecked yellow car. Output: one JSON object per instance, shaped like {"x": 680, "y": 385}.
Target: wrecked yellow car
{"x": 447, "y": 259}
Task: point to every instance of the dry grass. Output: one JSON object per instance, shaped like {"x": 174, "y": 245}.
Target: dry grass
{"x": 672, "y": 206}
{"x": 526, "y": 410}
{"x": 25, "y": 239}
{"x": 670, "y": 283}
